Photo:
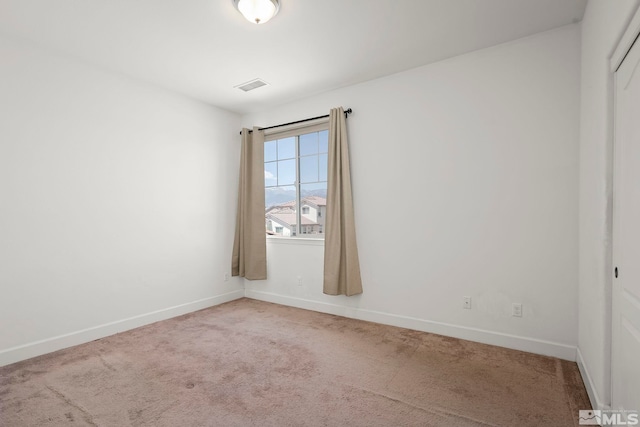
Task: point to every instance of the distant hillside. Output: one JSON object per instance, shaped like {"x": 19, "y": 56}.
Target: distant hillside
{"x": 278, "y": 195}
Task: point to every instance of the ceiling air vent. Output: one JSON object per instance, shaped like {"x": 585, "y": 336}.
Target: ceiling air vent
{"x": 251, "y": 85}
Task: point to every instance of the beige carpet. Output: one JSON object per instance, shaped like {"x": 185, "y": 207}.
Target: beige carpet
{"x": 251, "y": 363}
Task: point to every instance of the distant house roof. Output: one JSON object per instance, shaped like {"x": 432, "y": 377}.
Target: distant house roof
{"x": 315, "y": 200}
{"x": 282, "y": 207}
{"x": 290, "y": 204}
{"x": 289, "y": 219}
{"x": 280, "y": 210}
{"x": 310, "y": 200}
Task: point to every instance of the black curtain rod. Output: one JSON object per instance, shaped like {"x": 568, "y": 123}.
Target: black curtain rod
{"x": 346, "y": 114}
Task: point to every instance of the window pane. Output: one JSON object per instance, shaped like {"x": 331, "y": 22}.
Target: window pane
{"x": 323, "y": 137}
{"x": 314, "y": 208}
{"x": 286, "y": 172}
{"x": 270, "y": 174}
{"x": 287, "y": 148}
{"x": 309, "y": 169}
{"x": 280, "y": 196}
{"x": 280, "y": 213}
{"x": 270, "y": 152}
{"x": 323, "y": 167}
{"x": 317, "y": 189}
{"x": 292, "y": 165}
{"x": 309, "y": 144}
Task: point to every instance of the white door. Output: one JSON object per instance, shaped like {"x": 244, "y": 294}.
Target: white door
{"x": 625, "y": 363}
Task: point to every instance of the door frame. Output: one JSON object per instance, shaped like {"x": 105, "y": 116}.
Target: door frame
{"x": 627, "y": 40}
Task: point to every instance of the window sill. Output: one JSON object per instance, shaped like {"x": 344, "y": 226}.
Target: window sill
{"x": 295, "y": 241}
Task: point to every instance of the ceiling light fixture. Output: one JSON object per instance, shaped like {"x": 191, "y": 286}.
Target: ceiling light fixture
{"x": 257, "y": 11}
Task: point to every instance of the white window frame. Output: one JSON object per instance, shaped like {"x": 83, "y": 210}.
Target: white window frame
{"x": 296, "y": 131}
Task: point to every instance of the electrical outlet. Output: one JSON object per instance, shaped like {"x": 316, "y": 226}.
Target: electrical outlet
{"x": 299, "y": 280}
{"x": 226, "y": 277}
{"x": 466, "y": 303}
{"x": 516, "y": 309}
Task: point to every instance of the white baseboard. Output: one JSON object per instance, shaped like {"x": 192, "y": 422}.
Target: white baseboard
{"x": 531, "y": 345}
{"x": 37, "y": 348}
{"x": 596, "y": 402}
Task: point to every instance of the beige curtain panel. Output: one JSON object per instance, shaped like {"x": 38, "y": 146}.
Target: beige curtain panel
{"x": 249, "y": 258}
{"x": 341, "y": 264}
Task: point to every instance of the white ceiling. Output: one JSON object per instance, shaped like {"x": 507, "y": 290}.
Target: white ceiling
{"x": 203, "y": 48}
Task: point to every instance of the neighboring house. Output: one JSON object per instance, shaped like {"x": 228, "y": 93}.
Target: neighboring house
{"x": 282, "y": 219}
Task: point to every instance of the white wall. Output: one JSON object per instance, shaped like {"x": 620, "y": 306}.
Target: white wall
{"x": 476, "y": 160}
{"x": 603, "y": 24}
{"x": 115, "y": 202}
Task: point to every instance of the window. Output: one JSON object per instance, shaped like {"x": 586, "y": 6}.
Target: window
{"x": 295, "y": 173}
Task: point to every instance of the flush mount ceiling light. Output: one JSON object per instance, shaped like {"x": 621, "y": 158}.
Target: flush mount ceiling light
{"x": 257, "y": 11}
